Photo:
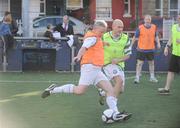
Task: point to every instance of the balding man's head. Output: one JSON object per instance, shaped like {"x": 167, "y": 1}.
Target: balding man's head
{"x": 147, "y": 17}
{"x": 147, "y": 20}
{"x": 117, "y": 27}
{"x": 65, "y": 19}
{"x": 117, "y": 22}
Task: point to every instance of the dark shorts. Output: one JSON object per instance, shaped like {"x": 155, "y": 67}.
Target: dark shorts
{"x": 145, "y": 55}
{"x": 174, "y": 64}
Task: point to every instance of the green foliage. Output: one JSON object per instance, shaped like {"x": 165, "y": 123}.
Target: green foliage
{"x": 133, "y": 24}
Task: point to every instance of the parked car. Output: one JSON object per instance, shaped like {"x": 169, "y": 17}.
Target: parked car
{"x": 40, "y": 23}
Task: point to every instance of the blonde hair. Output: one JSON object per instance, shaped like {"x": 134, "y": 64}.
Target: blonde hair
{"x": 8, "y": 18}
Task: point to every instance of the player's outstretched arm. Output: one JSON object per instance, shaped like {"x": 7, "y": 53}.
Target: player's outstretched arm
{"x": 80, "y": 54}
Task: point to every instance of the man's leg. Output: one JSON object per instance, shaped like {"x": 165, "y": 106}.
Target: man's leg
{"x": 138, "y": 70}
{"x": 165, "y": 90}
{"x": 118, "y": 85}
{"x": 116, "y": 76}
{"x": 111, "y": 100}
{"x": 151, "y": 70}
{"x": 170, "y": 77}
{"x": 68, "y": 88}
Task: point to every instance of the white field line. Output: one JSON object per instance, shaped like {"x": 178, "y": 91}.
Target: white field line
{"x": 44, "y": 81}
{"x": 34, "y": 81}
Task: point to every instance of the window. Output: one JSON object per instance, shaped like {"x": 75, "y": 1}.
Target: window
{"x": 159, "y": 8}
{"x": 44, "y": 23}
{"x": 174, "y": 8}
{"x": 4, "y": 6}
{"x": 104, "y": 9}
{"x": 58, "y": 20}
{"x": 71, "y": 23}
{"x": 42, "y": 7}
{"x": 74, "y": 4}
{"x": 127, "y": 10}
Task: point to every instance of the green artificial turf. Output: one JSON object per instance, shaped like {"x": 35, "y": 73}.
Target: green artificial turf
{"x": 21, "y": 105}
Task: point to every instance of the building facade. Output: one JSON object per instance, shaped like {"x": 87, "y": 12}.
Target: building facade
{"x": 113, "y": 9}
{"x": 161, "y": 8}
{"x": 130, "y": 11}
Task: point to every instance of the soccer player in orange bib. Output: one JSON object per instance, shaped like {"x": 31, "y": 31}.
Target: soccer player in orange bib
{"x": 146, "y": 35}
{"x": 91, "y": 55}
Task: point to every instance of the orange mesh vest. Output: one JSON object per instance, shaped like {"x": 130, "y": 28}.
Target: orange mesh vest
{"x": 147, "y": 37}
{"x": 95, "y": 54}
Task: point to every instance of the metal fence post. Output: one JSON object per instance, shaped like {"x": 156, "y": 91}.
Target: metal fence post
{"x": 4, "y": 55}
{"x": 72, "y": 57}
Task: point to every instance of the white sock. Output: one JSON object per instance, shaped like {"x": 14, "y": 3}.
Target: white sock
{"x": 152, "y": 75}
{"x": 67, "y": 88}
{"x": 112, "y": 103}
{"x": 137, "y": 77}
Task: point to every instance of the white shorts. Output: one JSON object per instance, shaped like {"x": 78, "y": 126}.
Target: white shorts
{"x": 112, "y": 70}
{"x": 91, "y": 75}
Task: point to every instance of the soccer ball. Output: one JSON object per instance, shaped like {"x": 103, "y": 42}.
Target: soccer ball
{"x": 107, "y": 116}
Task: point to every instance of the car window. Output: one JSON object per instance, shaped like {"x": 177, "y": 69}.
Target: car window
{"x": 71, "y": 23}
{"x": 58, "y": 21}
{"x": 45, "y": 22}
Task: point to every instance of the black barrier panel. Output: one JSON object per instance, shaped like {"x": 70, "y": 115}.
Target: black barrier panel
{"x": 38, "y": 59}
{"x": 14, "y": 60}
{"x": 63, "y": 57}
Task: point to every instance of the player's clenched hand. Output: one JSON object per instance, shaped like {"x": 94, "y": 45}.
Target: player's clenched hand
{"x": 76, "y": 59}
{"x": 115, "y": 61}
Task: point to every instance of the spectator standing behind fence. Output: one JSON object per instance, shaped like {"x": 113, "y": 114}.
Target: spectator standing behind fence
{"x": 65, "y": 28}
{"x": 49, "y": 32}
{"x": 174, "y": 64}
{"x": 4, "y": 26}
{"x": 146, "y": 35}
{"x": 5, "y": 32}
{"x": 6, "y": 38}
{"x": 13, "y": 25}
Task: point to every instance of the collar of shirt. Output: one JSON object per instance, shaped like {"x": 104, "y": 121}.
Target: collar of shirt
{"x": 147, "y": 26}
{"x": 63, "y": 25}
{"x": 115, "y": 38}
